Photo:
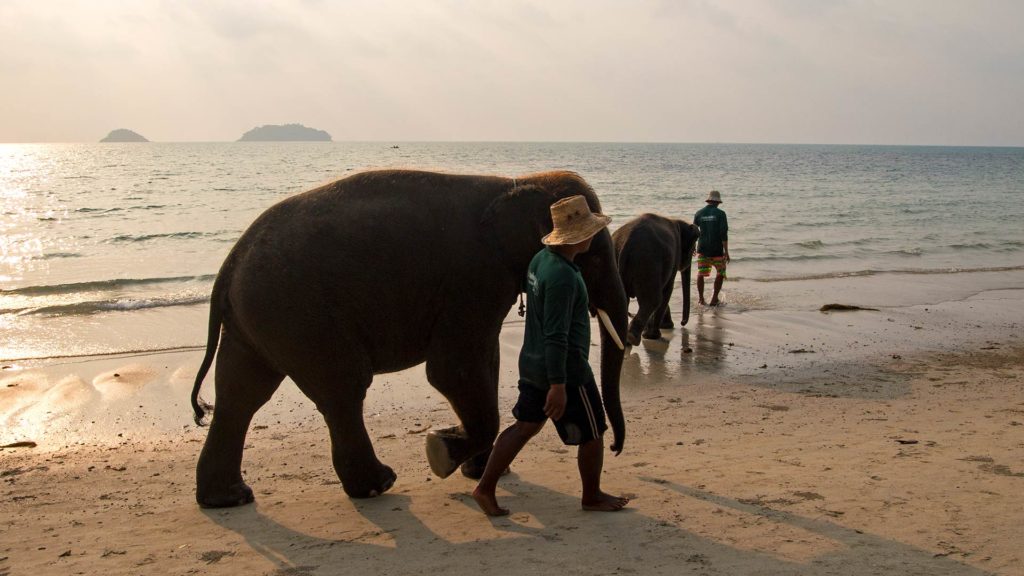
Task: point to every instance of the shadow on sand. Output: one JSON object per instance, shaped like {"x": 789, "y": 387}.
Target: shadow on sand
{"x": 548, "y": 533}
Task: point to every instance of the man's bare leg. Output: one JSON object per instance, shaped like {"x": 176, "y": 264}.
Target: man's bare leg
{"x": 700, "y": 290}
{"x": 505, "y": 450}
{"x": 590, "y": 458}
{"x": 718, "y": 288}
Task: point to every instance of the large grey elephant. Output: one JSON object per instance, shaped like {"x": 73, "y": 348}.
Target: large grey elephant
{"x": 376, "y": 273}
{"x": 650, "y": 249}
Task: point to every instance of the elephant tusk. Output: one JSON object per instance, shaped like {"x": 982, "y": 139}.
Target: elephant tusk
{"x": 609, "y": 328}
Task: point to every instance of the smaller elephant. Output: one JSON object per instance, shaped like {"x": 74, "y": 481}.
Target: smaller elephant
{"x": 649, "y": 250}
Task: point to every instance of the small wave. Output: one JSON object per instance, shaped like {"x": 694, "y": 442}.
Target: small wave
{"x": 858, "y": 273}
{"x": 98, "y": 285}
{"x": 174, "y": 235}
{"x": 811, "y": 244}
{"x": 793, "y": 258}
{"x": 85, "y": 210}
{"x": 60, "y": 255}
{"x": 974, "y": 246}
{"x": 118, "y": 305}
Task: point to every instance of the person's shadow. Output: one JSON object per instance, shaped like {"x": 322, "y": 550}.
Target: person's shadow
{"x": 548, "y": 532}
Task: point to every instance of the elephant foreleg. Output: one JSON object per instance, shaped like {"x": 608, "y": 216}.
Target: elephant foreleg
{"x": 647, "y": 304}
{"x": 243, "y": 384}
{"x": 666, "y": 319}
{"x": 470, "y": 383}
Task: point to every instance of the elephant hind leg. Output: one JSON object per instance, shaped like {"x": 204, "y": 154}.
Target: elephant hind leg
{"x": 244, "y": 383}
{"x": 660, "y": 316}
{"x": 338, "y": 389}
{"x": 469, "y": 380}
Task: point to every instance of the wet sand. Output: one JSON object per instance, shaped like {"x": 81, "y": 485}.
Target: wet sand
{"x": 868, "y": 442}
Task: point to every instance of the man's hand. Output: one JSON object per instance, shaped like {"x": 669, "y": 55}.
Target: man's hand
{"x": 554, "y": 407}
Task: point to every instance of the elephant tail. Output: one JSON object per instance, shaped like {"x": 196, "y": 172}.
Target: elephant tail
{"x": 200, "y": 406}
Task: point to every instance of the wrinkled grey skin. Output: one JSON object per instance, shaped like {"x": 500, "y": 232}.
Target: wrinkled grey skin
{"x": 650, "y": 249}
{"x": 376, "y": 273}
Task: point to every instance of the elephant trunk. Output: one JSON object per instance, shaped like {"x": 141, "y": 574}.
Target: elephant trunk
{"x": 686, "y": 294}
{"x": 611, "y": 369}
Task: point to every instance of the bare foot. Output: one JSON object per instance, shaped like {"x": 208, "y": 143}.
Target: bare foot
{"x": 605, "y": 503}
{"x": 489, "y": 504}
{"x": 715, "y": 302}
{"x": 702, "y": 302}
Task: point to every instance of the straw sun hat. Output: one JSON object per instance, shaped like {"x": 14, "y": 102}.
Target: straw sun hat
{"x": 574, "y": 222}
{"x": 714, "y": 196}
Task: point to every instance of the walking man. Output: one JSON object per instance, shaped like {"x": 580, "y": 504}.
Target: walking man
{"x": 713, "y": 245}
{"x": 555, "y": 379}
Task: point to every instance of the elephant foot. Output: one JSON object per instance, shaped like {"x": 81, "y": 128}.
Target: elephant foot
{"x": 235, "y": 495}
{"x": 652, "y": 334}
{"x": 438, "y": 453}
{"x": 667, "y": 323}
{"x": 370, "y": 486}
{"x": 632, "y": 339}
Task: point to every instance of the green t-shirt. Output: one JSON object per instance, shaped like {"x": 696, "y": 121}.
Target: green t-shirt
{"x": 556, "y": 344}
{"x": 714, "y": 230}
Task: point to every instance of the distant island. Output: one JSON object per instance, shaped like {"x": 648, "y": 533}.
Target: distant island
{"x": 285, "y": 133}
{"x": 124, "y": 135}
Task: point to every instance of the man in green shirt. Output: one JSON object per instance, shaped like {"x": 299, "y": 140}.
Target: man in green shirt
{"x": 555, "y": 379}
{"x": 713, "y": 245}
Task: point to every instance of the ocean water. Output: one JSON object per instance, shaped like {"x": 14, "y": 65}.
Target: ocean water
{"x": 110, "y": 248}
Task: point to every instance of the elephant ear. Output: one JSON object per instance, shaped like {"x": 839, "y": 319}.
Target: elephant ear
{"x": 515, "y": 222}
{"x": 688, "y": 234}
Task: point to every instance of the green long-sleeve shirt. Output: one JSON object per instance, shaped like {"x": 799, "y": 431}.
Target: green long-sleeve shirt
{"x": 714, "y": 230}
{"x": 556, "y": 344}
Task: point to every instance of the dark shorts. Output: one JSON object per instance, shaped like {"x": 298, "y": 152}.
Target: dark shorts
{"x": 583, "y": 420}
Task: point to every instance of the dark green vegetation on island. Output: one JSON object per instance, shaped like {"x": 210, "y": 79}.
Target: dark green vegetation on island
{"x": 124, "y": 135}
{"x": 285, "y": 133}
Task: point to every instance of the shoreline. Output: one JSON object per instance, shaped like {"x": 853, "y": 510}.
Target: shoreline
{"x": 781, "y": 349}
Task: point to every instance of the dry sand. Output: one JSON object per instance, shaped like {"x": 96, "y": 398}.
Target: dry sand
{"x": 858, "y": 443}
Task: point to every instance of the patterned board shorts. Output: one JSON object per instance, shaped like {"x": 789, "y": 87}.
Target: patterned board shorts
{"x": 704, "y": 264}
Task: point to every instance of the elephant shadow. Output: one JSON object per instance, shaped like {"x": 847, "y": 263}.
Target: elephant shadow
{"x": 546, "y": 526}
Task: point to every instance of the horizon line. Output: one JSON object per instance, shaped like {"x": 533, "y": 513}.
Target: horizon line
{"x": 387, "y": 141}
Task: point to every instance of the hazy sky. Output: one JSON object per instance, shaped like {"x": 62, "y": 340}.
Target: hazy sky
{"x": 814, "y": 71}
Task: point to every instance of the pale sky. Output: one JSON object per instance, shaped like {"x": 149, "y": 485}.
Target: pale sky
{"x": 800, "y": 71}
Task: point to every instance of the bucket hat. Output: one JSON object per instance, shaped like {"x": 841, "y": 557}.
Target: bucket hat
{"x": 714, "y": 196}
{"x": 574, "y": 222}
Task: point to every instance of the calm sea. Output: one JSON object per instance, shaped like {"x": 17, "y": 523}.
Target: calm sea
{"x": 113, "y": 247}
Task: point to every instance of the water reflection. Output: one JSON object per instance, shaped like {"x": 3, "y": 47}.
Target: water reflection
{"x": 681, "y": 354}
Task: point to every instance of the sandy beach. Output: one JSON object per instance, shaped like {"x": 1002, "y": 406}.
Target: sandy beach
{"x": 867, "y": 442}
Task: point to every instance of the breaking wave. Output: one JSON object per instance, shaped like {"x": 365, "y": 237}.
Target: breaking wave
{"x": 110, "y": 305}
{"x": 100, "y": 285}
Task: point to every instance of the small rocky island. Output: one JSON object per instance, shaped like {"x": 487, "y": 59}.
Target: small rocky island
{"x": 124, "y": 135}
{"x": 285, "y": 133}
